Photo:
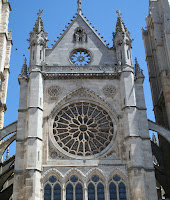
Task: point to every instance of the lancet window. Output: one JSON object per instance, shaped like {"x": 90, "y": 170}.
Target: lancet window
{"x": 96, "y": 189}
{"x": 52, "y": 189}
{"x": 117, "y": 189}
{"x": 74, "y": 189}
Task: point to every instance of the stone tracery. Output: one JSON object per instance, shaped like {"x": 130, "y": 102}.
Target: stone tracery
{"x": 83, "y": 129}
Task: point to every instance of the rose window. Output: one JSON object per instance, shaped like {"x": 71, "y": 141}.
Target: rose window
{"x": 80, "y": 57}
{"x": 83, "y": 129}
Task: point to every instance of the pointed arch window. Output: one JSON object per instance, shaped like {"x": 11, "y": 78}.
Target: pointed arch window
{"x": 74, "y": 189}
{"x": 117, "y": 188}
{"x": 96, "y": 189}
{"x": 52, "y": 189}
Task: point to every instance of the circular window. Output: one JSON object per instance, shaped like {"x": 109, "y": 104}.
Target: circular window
{"x": 80, "y": 57}
{"x": 83, "y": 129}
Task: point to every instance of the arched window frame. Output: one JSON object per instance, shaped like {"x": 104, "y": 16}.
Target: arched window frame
{"x": 96, "y": 184}
{"x": 52, "y": 186}
{"x": 74, "y": 184}
{"x": 117, "y": 185}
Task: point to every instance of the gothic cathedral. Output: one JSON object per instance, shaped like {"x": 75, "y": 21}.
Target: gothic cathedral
{"x": 82, "y": 131}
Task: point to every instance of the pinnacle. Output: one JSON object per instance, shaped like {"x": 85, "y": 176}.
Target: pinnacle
{"x": 39, "y": 26}
{"x": 138, "y": 70}
{"x": 24, "y": 69}
{"x": 120, "y": 26}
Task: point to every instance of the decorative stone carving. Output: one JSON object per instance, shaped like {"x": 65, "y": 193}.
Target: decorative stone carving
{"x": 109, "y": 91}
{"x": 80, "y": 35}
{"x": 111, "y": 155}
{"x": 54, "y": 91}
{"x": 80, "y": 57}
{"x": 83, "y": 129}
{"x": 54, "y": 154}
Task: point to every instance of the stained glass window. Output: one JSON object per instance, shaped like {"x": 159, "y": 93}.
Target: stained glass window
{"x": 113, "y": 191}
{"x": 95, "y": 179}
{"x": 79, "y": 192}
{"x": 91, "y": 192}
{"x": 69, "y": 192}
{"x": 52, "y": 179}
{"x": 122, "y": 191}
{"x": 57, "y": 192}
{"x": 117, "y": 189}
{"x": 100, "y": 192}
{"x": 47, "y": 192}
{"x": 52, "y": 189}
{"x": 116, "y": 178}
{"x": 74, "y": 179}
{"x": 96, "y": 189}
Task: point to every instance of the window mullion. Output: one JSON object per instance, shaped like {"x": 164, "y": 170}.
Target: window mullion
{"x": 74, "y": 192}
{"x": 85, "y": 193}
{"x": 117, "y": 188}
{"x": 52, "y": 191}
{"x": 95, "y": 191}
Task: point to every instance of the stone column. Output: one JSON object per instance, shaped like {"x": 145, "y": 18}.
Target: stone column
{"x": 64, "y": 192}
{"x": 19, "y": 171}
{"x": 137, "y": 148}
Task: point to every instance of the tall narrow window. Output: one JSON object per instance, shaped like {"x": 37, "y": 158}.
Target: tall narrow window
{"x": 47, "y": 192}
{"x": 57, "y": 192}
{"x": 79, "y": 192}
{"x": 96, "y": 189}
{"x": 91, "y": 192}
{"x": 122, "y": 191}
{"x": 74, "y": 189}
{"x": 100, "y": 192}
{"x": 117, "y": 189}
{"x": 52, "y": 189}
{"x": 113, "y": 191}
{"x": 33, "y": 55}
{"x": 69, "y": 192}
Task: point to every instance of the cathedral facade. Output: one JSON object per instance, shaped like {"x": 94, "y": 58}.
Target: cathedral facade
{"x": 82, "y": 131}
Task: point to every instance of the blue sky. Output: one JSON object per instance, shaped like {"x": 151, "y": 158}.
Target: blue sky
{"x": 56, "y": 15}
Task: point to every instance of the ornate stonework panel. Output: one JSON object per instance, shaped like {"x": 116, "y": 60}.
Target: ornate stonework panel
{"x": 80, "y": 57}
{"x": 54, "y": 91}
{"x": 54, "y": 154}
{"x": 109, "y": 91}
{"x": 83, "y": 129}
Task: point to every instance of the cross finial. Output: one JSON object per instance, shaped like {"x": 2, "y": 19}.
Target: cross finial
{"x": 119, "y": 13}
{"x": 39, "y": 13}
{"x": 79, "y": 6}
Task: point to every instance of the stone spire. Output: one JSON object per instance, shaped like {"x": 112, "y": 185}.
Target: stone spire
{"x": 79, "y": 6}
{"x": 122, "y": 42}
{"x": 120, "y": 26}
{"x": 37, "y": 43}
{"x": 138, "y": 70}
{"x": 38, "y": 27}
{"x": 24, "y": 71}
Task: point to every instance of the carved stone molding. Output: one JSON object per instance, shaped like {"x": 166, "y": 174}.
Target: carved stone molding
{"x": 54, "y": 91}
{"x": 53, "y": 153}
{"x": 109, "y": 91}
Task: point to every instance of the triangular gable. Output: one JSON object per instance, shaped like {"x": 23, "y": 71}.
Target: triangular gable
{"x": 71, "y": 24}
{"x": 60, "y": 54}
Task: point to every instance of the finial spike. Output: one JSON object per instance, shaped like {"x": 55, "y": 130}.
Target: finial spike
{"x": 39, "y": 13}
{"x": 79, "y": 6}
{"x": 119, "y": 13}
